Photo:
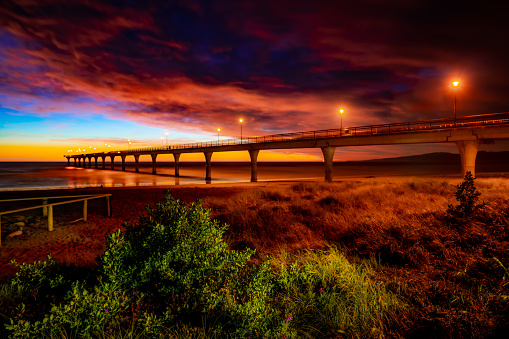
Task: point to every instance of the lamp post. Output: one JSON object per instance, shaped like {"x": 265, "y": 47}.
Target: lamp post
{"x": 166, "y": 134}
{"x": 341, "y": 112}
{"x": 241, "y": 120}
{"x": 455, "y": 85}
{"x": 128, "y": 144}
{"x": 218, "y": 130}
{"x": 162, "y": 138}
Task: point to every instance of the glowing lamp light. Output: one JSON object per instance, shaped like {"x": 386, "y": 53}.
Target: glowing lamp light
{"x": 455, "y": 83}
{"x": 341, "y": 112}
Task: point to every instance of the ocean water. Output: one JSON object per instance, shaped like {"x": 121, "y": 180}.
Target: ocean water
{"x": 57, "y": 175}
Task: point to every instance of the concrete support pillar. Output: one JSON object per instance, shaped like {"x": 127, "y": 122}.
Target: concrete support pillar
{"x": 176, "y": 156}
{"x": 104, "y": 161}
{"x": 79, "y": 162}
{"x": 89, "y": 162}
{"x": 68, "y": 161}
{"x": 254, "y": 164}
{"x": 468, "y": 152}
{"x": 208, "y": 165}
{"x": 74, "y": 162}
{"x": 95, "y": 165}
{"x": 137, "y": 163}
{"x": 328, "y": 155}
{"x": 112, "y": 157}
{"x": 154, "y": 156}
{"x": 123, "y": 161}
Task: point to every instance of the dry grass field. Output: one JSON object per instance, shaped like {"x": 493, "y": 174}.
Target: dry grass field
{"x": 452, "y": 273}
{"x": 378, "y": 257}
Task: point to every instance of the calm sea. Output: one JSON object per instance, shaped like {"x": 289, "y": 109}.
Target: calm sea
{"x": 57, "y": 175}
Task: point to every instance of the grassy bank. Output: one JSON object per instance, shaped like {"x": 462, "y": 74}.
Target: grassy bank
{"x": 352, "y": 259}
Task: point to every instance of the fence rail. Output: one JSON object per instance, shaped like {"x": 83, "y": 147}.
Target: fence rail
{"x": 47, "y": 209}
{"x": 358, "y": 131}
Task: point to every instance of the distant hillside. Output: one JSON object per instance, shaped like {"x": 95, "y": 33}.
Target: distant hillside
{"x": 483, "y": 157}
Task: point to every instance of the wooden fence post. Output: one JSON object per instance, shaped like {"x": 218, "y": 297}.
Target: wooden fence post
{"x": 50, "y": 218}
{"x": 85, "y": 210}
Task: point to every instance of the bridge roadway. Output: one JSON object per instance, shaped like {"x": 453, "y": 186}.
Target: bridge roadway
{"x": 468, "y": 133}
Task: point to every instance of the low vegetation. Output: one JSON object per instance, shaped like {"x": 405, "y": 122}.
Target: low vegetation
{"x": 351, "y": 259}
{"x": 446, "y": 258}
{"x": 172, "y": 275}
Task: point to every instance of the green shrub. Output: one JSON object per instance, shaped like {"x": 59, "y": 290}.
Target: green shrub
{"x": 172, "y": 269}
{"x": 467, "y": 196}
{"x": 83, "y": 313}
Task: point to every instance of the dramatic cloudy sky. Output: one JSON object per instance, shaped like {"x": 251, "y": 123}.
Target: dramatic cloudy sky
{"x": 81, "y": 73}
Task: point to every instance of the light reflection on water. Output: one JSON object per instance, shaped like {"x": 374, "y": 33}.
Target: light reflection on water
{"x": 25, "y": 176}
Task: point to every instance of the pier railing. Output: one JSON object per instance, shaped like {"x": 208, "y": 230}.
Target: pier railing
{"x": 369, "y": 130}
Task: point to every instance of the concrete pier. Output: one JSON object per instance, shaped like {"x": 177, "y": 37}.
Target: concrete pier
{"x": 253, "y": 154}
{"x": 467, "y": 132}
{"x": 328, "y": 156}
{"x": 104, "y": 161}
{"x": 176, "y": 156}
{"x": 208, "y": 165}
{"x": 468, "y": 152}
{"x": 154, "y": 156}
{"x": 137, "y": 163}
{"x": 112, "y": 157}
{"x": 95, "y": 162}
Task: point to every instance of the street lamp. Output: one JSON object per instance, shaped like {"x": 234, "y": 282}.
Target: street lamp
{"x": 166, "y": 138}
{"x": 455, "y": 84}
{"x": 341, "y": 112}
{"x": 218, "y": 130}
{"x": 128, "y": 144}
{"x": 162, "y": 138}
{"x": 241, "y": 120}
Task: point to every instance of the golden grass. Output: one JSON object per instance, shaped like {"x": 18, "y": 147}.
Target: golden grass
{"x": 453, "y": 272}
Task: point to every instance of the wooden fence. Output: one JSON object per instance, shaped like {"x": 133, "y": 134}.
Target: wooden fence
{"x": 47, "y": 208}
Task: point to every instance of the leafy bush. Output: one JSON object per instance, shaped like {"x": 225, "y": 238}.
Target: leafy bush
{"x": 467, "y": 196}
{"x": 176, "y": 255}
{"x": 171, "y": 269}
